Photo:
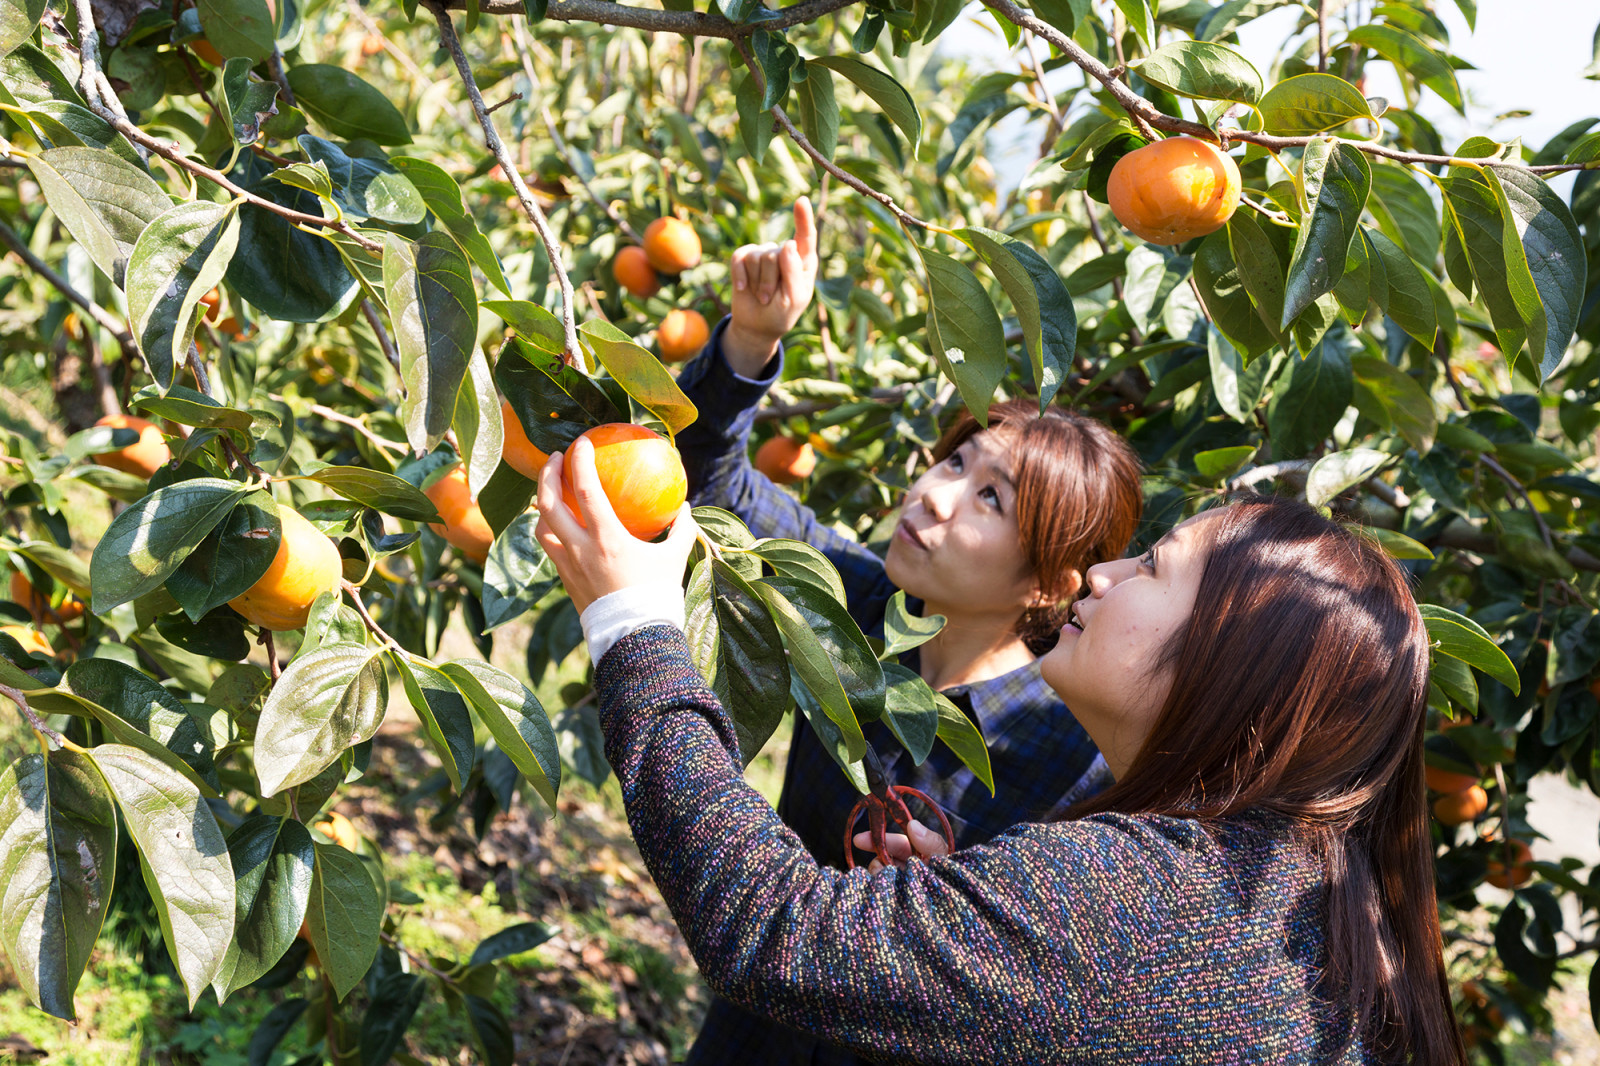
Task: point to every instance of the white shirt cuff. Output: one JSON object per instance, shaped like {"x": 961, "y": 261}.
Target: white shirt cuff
{"x": 616, "y": 614}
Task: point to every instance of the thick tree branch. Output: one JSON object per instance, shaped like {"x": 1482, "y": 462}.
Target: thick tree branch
{"x": 687, "y": 23}
{"x": 569, "y": 312}
{"x": 105, "y": 319}
{"x": 1147, "y": 118}
{"x": 905, "y": 217}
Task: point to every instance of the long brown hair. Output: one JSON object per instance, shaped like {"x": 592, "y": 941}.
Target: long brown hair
{"x": 1078, "y": 499}
{"x": 1300, "y": 685}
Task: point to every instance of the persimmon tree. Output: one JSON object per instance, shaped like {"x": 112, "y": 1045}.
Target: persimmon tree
{"x": 330, "y": 250}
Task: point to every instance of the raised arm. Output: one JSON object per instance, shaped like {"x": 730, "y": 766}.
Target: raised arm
{"x": 996, "y": 954}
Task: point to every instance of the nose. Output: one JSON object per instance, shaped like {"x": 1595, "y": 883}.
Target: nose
{"x": 939, "y": 498}
{"x": 1102, "y": 577}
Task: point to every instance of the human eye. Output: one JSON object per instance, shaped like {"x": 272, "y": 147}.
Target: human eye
{"x": 993, "y": 497}
{"x": 955, "y": 461}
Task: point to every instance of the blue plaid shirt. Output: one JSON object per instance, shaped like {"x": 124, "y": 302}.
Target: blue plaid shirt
{"x": 1042, "y": 759}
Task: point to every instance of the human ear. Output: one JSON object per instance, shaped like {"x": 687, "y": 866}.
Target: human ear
{"x": 1072, "y": 584}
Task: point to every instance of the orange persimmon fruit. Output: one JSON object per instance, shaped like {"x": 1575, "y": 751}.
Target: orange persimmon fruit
{"x": 515, "y": 447}
{"x": 681, "y": 335}
{"x": 144, "y": 456}
{"x": 785, "y": 460}
{"x": 672, "y": 245}
{"x": 464, "y": 525}
{"x": 1174, "y": 190}
{"x": 641, "y": 473}
{"x": 306, "y": 566}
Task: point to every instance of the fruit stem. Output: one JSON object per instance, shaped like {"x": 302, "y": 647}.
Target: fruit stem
{"x": 372, "y": 626}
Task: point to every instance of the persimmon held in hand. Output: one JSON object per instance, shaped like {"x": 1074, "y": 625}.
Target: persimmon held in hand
{"x": 1174, "y": 190}
{"x": 38, "y": 603}
{"x": 641, "y": 474}
{"x": 144, "y": 456}
{"x": 681, "y": 335}
{"x": 515, "y": 447}
{"x": 633, "y": 272}
{"x": 785, "y": 460}
{"x": 1464, "y": 806}
{"x": 306, "y": 566}
{"x": 464, "y": 525}
{"x": 672, "y": 245}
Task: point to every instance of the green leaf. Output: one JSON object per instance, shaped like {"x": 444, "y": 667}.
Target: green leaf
{"x": 988, "y": 98}
{"x": 819, "y": 113}
{"x": 277, "y": 1022}
{"x": 903, "y": 630}
{"x": 964, "y": 331}
{"x": 375, "y": 489}
{"x": 491, "y": 1034}
{"x": 182, "y": 856}
{"x": 443, "y": 197}
{"x": 515, "y": 718}
{"x": 1236, "y": 386}
{"x": 1399, "y": 546}
{"x": 799, "y": 561}
{"x": 434, "y": 309}
{"x": 1227, "y": 301}
{"x": 1545, "y": 261}
{"x": 18, "y": 19}
{"x": 326, "y": 701}
{"x": 191, "y": 408}
{"x": 178, "y": 258}
{"x": 738, "y": 650}
{"x": 776, "y": 59}
{"x": 272, "y": 860}
{"x": 517, "y": 574}
{"x": 1411, "y": 55}
{"x": 1478, "y": 229}
{"x": 1311, "y": 103}
{"x": 244, "y": 105}
{"x": 811, "y": 664}
{"x": 1044, "y": 310}
{"x": 1202, "y": 70}
{"x": 148, "y": 541}
{"x": 443, "y": 710}
{"x": 512, "y": 940}
{"x": 1410, "y": 301}
{"x": 58, "y": 860}
{"x": 1337, "y": 180}
{"x": 365, "y": 187}
{"x": 345, "y": 106}
{"x": 291, "y": 275}
{"x": 1389, "y": 396}
{"x": 476, "y": 423}
{"x": 911, "y": 711}
{"x": 1217, "y": 464}
{"x": 231, "y": 559}
{"x": 1153, "y": 273}
{"x": 962, "y": 736}
{"x": 755, "y": 126}
{"x": 1404, "y": 211}
{"x": 639, "y": 372}
{"x": 1460, "y": 637}
{"x": 1305, "y": 407}
{"x": 241, "y": 28}
{"x": 887, "y": 93}
{"x": 1259, "y": 270}
{"x": 138, "y": 712}
{"x": 532, "y": 324}
{"x": 1140, "y": 20}
{"x": 343, "y": 916}
{"x": 1337, "y": 471}
{"x": 389, "y": 1014}
{"x": 103, "y": 201}
{"x": 554, "y": 402}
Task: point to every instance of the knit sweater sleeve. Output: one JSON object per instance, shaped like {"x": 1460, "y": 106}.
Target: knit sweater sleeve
{"x": 994, "y": 954}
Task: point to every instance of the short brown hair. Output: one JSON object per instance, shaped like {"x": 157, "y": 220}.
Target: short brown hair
{"x": 1079, "y": 499}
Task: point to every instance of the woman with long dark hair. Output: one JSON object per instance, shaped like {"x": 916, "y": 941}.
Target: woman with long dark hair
{"x": 995, "y": 536}
{"x": 1257, "y": 886}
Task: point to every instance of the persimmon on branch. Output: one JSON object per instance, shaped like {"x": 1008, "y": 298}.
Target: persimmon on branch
{"x": 1148, "y": 118}
{"x": 569, "y": 312}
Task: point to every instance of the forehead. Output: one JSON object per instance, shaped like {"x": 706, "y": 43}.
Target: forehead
{"x": 1191, "y": 535}
{"x": 995, "y": 447}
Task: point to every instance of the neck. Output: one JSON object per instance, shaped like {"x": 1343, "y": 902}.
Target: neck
{"x": 971, "y": 648}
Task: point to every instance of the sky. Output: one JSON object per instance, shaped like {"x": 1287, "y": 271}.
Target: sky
{"x": 1530, "y": 56}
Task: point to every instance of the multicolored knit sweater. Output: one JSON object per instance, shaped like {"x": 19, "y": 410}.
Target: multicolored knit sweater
{"x": 1112, "y": 939}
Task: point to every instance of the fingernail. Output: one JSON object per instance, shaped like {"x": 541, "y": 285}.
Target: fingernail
{"x": 738, "y": 283}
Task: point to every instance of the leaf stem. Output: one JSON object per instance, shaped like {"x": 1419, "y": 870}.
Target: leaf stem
{"x": 366, "y": 618}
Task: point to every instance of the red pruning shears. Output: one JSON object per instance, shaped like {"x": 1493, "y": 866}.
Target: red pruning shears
{"x": 884, "y": 805}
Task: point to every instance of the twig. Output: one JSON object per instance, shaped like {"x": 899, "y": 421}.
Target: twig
{"x": 1268, "y": 472}
{"x": 202, "y": 381}
{"x": 1148, "y": 119}
{"x": 372, "y": 626}
{"x": 688, "y": 23}
{"x": 492, "y": 108}
{"x": 354, "y": 423}
{"x": 1322, "y": 36}
{"x": 273, "y": 669}
{"x": 1505, "y": 475}
{"x": 17, "y": 696}
{"x": 105, "y": 319}
{"x": 825, "y": 163}
{"x": 1276, "y": 216}
{"x": 370, "y": 313}
{"x": 275, "y": 66}
{"x": 569, "y": 318}
{"x": 778, "y": 411}
{"x": 389, "y": 939}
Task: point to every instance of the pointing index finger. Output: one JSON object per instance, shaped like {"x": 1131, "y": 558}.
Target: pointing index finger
{"x": 805, "y": 229}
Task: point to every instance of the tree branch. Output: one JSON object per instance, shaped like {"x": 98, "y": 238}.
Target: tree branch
{"x": 569, "y": 312}
{"x": 905, "y": 217}
{"x": 687, "y": 23}
{"x": 1148, "y": 119}
{"x": 105, "y": 319}
{"x": 20, "y": 698}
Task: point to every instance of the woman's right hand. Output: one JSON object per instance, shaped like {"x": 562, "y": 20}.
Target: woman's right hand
{"x": 772, "y": 287}
{"x": 929, "y": 844}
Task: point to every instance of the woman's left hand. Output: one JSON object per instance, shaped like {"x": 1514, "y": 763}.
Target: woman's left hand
{"x": 599, "y": 556}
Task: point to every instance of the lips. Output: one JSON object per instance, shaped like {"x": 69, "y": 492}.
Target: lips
{"x": 905, "y": 532}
